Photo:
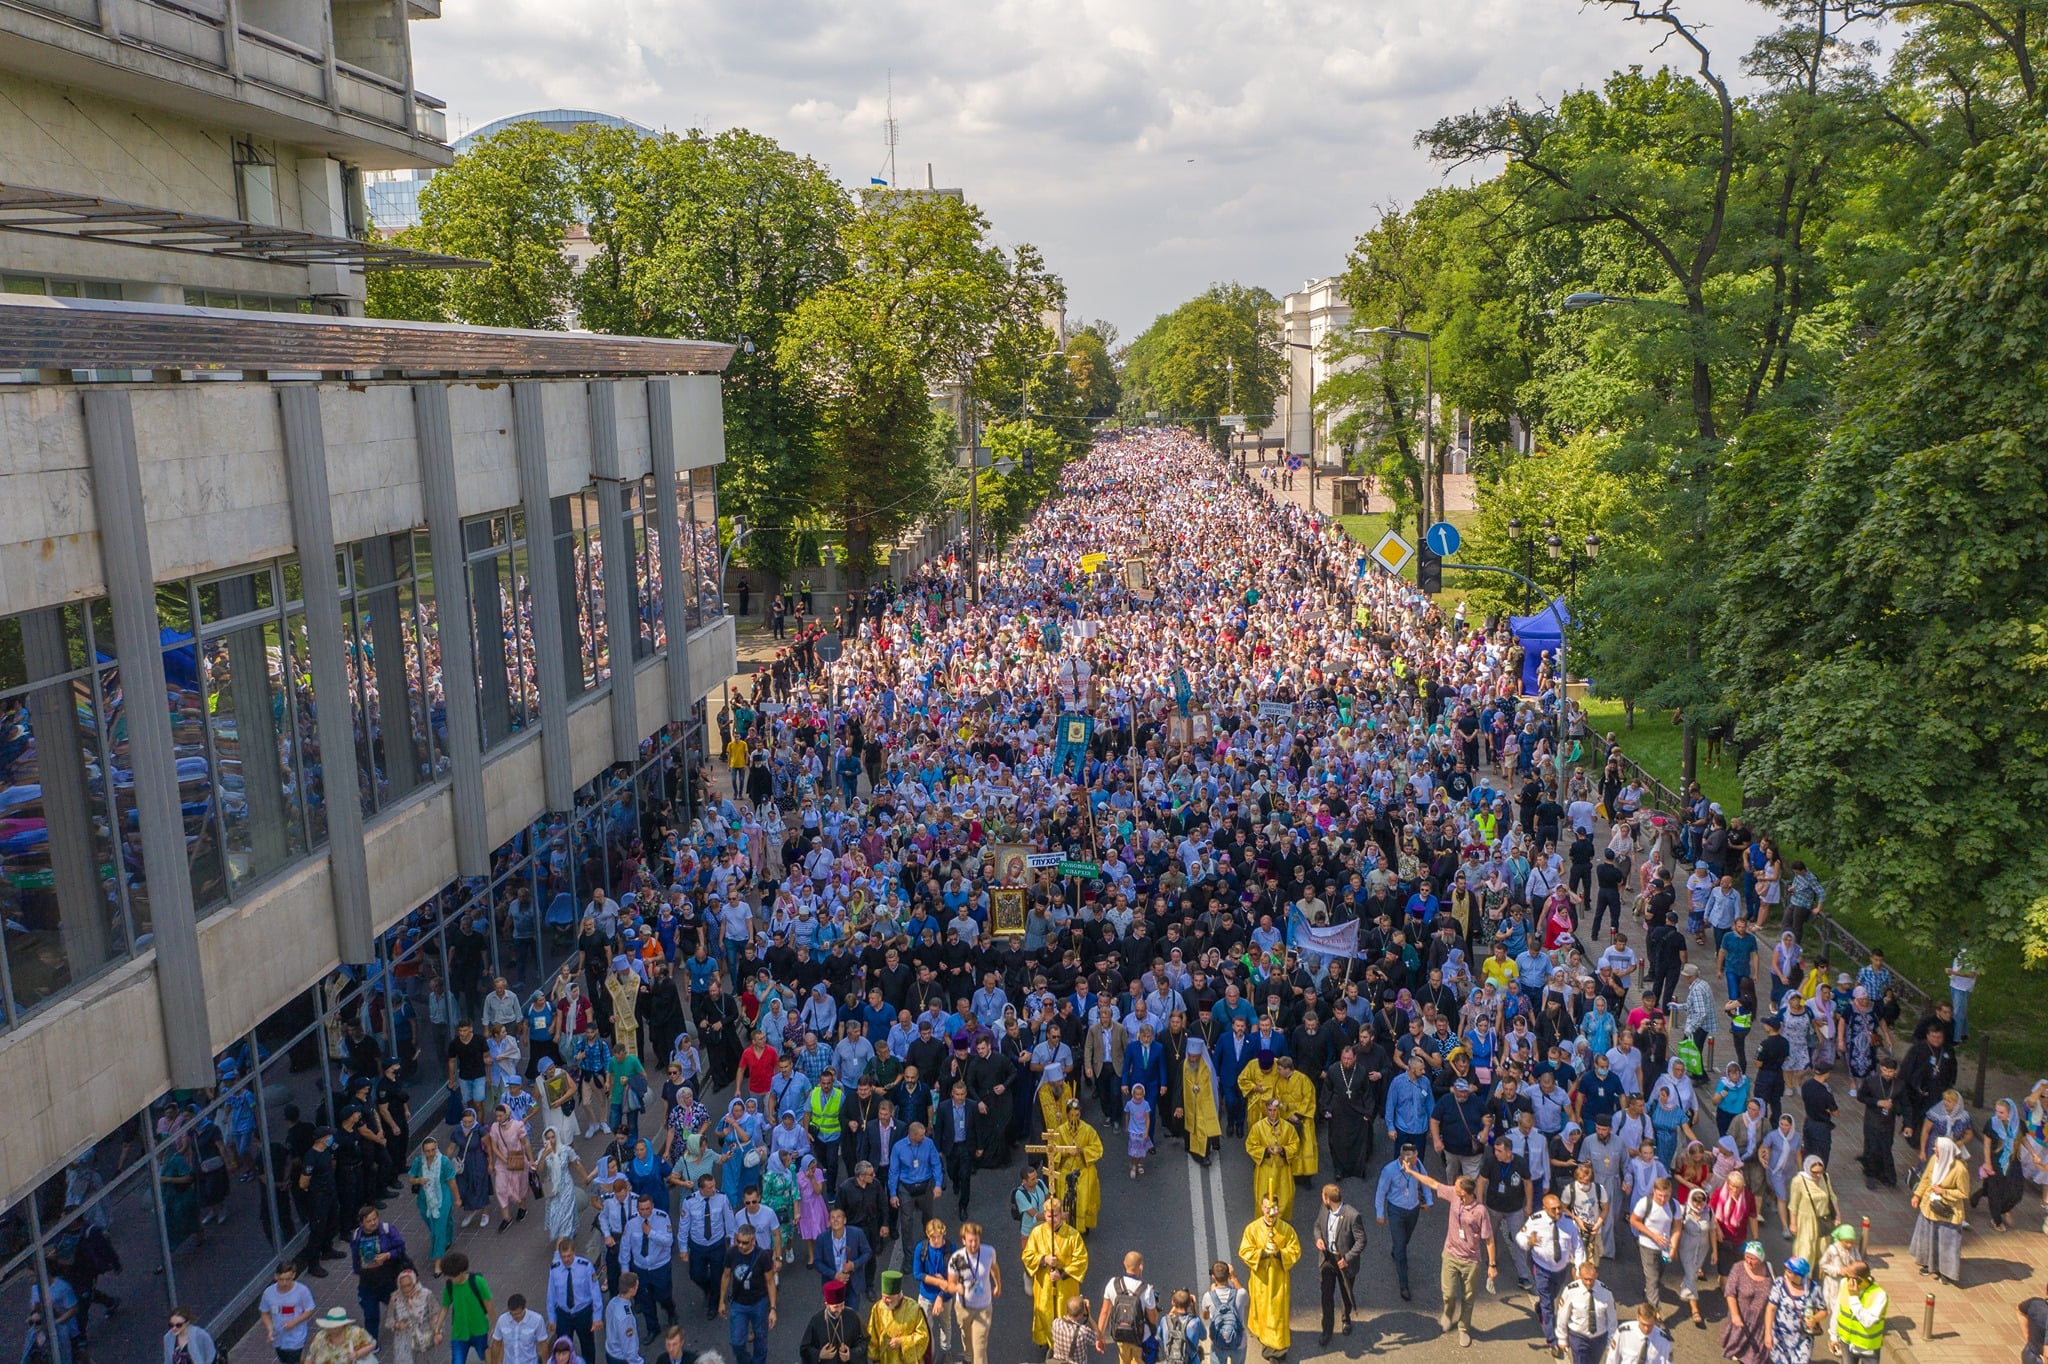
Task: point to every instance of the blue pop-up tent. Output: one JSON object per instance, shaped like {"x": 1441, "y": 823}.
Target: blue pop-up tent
{"x": 1538, "y": 635}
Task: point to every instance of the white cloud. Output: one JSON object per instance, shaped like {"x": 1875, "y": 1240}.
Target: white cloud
{"x": 1149, "y": 147}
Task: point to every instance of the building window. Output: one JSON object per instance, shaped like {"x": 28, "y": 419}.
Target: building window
{"x": 699, "y": 513}
{"x": 641, "y": 516}
{"x": 242, "y": 717}
{"x": 501, "y": 623}
{"x": 579, "y": 578}
{"x": 71, "y": 872}
{"x": 59, "y": 288}
{"x": 393, "y": 663}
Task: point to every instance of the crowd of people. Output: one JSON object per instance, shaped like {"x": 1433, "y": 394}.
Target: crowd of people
{"x": 1322, "y": 896}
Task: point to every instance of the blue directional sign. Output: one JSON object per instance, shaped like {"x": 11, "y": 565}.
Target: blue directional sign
{"x": 1442, "y": 539}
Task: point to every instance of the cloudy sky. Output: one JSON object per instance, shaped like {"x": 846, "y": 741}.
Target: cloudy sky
{"x": 1148, "y": 147}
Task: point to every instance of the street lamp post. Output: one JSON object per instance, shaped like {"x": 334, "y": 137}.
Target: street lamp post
{"x": 1432, "y": 509}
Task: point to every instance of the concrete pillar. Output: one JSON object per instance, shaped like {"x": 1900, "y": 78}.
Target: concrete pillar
{"x": 621, "y": 600}
{"x": 305, "y": 462}
{"x": 131, "y": 594}
{"x": 452, "y": 621}
{"x": 552, "y": 659}
{"x": 53, "y": 716}
{"x": 675, "y": 588}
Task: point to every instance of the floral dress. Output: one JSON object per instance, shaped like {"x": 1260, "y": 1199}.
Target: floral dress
{"x": 1789, "y": 1342}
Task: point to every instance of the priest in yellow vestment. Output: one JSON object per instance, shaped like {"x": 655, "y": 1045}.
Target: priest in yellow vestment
{"x": 1271, "y": 1143}
{"x": 1297, "y": 1095}
{"x": 898, "y": 1331}
{"x": 1053, "y": 1095}
{"x": 1269, "y": 1249}
{"x": 1073, "y": 1147}
{"x": 1198, "y": 1101}
{"x": 1056, "y": 1264}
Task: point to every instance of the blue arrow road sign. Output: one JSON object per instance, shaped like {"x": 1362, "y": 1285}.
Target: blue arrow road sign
{"x": 1442, "y": 538}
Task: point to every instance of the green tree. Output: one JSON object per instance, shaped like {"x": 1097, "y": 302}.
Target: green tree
{"x": 1905, "y": 734}
{"x": 409, "y": 295}
{"x": 507, "y": 201}
{"x": 1094, "y": 374}
{"x": 922, "y": 293}
{"x": 1216, "y": 353}
{"x": 1571, "y": 492}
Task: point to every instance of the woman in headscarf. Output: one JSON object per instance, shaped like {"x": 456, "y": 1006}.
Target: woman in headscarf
{"x": 811, "y": 1211}
{"x": 1695, "y": 1239}
{"x": 1747, "y": 1290}
{"x": 1671, "y": 1121}
{"x": 778, "y": 1194}
{"x": 2004, "y": 1179}
{"x": 432, "y": 1176}
{"x": 410, "y": 1318}
{"x": 563, "y": 1351}
{"x": 1941, "y": 1197}
{"x": 1812, "y": 1209}
{"x": 1736, "y": 1216}
{"x": 745, "y": 1136}
{"x": 562, "y": 1177}
{"x": 556, "y": 1089}
{"x": 1695, "y": 1169}
{"x": 473, "y": 1180}
{"x": 1779, "y": 1151}
{"x": 511, "y": 1152}
{"x": 648, "y": 1173}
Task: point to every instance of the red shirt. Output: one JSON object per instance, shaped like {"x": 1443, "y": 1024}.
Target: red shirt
{"x": 759, "y": 1068}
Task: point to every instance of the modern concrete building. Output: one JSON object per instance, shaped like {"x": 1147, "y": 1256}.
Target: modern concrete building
{"x": 421, "y": 619}
{"x": 236, "y": 131}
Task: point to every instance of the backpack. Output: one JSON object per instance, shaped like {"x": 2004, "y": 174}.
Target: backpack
{"x": 1173, "y": 1340}
{"x": 1017, "y": 1207}
{"x": 1127, "y": 1314}
{"x": 1224, "y": 1325}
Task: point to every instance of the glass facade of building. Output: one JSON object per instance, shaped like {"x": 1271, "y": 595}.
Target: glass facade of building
{"x": 143, "y": 1196}
{"x": 133, "y": 1216}
{"x": 234, "y": 667}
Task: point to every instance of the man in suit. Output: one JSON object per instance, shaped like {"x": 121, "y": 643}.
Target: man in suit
{"x": 877, "y": 1138}
{"x": 957, "y": 1126}
{"x": 865, "y": 1201}
{"x": 1145, "y": 1064}
{"x": 842, "y": 1254}
{"x": 1340, "y": 1243}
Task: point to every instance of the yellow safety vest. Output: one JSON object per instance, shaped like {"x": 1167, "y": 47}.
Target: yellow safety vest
{"x": 1853, "y": 1333}
{"x": 824, "y": 1120}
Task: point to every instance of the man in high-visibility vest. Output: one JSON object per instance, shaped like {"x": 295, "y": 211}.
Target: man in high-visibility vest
{"x": 1859, "y": 1316}
{"x": 825, "y": 1102}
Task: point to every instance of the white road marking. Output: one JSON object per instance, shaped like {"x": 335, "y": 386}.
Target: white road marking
{"x": 1202, "y": 1260}
{"x": 1225, "y": 1247}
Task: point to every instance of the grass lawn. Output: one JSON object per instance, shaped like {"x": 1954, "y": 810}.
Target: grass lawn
{"x": 2003, "y": 1007}
{"x": 1368, "y": 529}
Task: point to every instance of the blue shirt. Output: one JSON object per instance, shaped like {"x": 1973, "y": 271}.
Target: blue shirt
{"x": 1409, "y": 1104}
{"x": 1601, "y": 1095}
{"x": 573, "y": 1288}
{"x": 1398, "y": 1189}
{"x": 1532, "y": 969}
{"x": 915, "y": 1162}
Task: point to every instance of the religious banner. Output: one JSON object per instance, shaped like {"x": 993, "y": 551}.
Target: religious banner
{"x": 1182, "y": 692}
{"x": 1074, "y": 733}
{"x": 1335, "y": 940}
{"x": 1138, "y": 579}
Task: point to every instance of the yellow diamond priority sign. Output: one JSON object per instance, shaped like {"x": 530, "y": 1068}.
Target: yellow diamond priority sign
{"x": 1393, "y": 553}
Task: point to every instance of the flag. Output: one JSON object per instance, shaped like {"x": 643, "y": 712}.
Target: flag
{"x": 1074, "y": 733}
{"x": 1337, "y": 940}
{"x": 1182, "y": 692}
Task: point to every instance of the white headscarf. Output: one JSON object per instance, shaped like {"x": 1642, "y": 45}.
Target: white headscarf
{"x": 1944, "y": 1159}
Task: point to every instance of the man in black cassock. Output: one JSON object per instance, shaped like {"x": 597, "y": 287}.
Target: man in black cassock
{"x": 1351, "y": 1101}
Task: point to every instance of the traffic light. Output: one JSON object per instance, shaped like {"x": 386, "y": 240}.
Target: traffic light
{"x": 1030, "y": 461}
{"x": 1429, "y": 571}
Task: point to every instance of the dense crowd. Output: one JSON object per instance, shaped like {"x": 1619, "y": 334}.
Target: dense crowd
{"x": 1321, "y": 894}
